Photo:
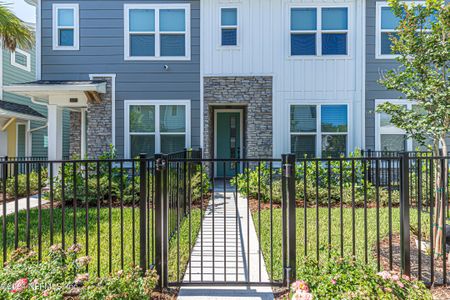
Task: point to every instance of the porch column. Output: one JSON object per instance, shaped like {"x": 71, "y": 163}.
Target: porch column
{"x": 55, "y": 132}
{"x": 83, "y": 133}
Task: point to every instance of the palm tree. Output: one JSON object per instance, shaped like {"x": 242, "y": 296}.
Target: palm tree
{"x": 13, "y": 31}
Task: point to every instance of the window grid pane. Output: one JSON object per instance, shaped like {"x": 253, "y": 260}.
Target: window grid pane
{"x": 335, "y": 18}
{"x": 142, "y": 144}
{"x": 303, "y": 44}
{"x": 228, "y": 17}
{"x": 334, "y": 145}
{"x": 66, "y": 37}
{"x": 142, "y": 20}
{"x": 303, "y": 19}
{"x": 393, "y": 142}
{"x": 303, "y": 145}
{"x": 172, "y": 143}
{"x": 172, "y": 20}
{"x": 334, "y": 43}
{"x": 388, "y": 19}
{"x": 303, "y": 118}
{"x": 172, "y": 45}
{"x": 172, "y": 118}
{"x": 229, "y": 37}
{"x": 142, "y": 45}
{"x": 334, "y": 118}
{"x": 142, "y": 118}
{"x": 66, "y": 17}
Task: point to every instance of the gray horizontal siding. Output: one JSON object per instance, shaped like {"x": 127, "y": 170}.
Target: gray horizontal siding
{"x": 102, "y": 51}
{"x": 374, "y": 70}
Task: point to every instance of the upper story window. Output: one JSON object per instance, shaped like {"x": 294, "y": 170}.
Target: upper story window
{"x": 386, "y": 28}
{"x": 229, "y": 26}
{"x": 21, "y": 59}
{"x": 157, "y": 32}
{"x": 65, "y": 26}
{"x": 319, "y": 130}
{"x": 319, "y": 31}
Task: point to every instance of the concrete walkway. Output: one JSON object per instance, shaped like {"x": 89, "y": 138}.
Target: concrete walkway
{"x": 22, "y": 203}
{"x": 235, "y": 258}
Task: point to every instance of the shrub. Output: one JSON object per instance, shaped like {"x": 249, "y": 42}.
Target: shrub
{"x": 63, "y": 273}
{"x": 323, "y": 179}
{"x": 344, "y": 278}
{"x": 22, "y": 183}
{"x": 113, "y": 182}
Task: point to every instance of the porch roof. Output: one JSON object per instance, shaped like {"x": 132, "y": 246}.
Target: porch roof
{"x": 19, "y": 111}
{"x": 43, "y": 89}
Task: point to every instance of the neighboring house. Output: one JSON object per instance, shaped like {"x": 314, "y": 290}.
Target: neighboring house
{"x": 129, "y": 71}
{"x": 273, "y": 77}
{"x": 22, "y": 131}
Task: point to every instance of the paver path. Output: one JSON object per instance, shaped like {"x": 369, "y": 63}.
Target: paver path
{"x": 235, "y": 258}
{"x": 22, "y": 204}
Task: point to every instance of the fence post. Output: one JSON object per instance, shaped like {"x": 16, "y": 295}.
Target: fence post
{"x": 405, "y": 250}
{"x": 142, "y": 212}
{"x": 289, "y": 222}
{"x": 161, "y": 209}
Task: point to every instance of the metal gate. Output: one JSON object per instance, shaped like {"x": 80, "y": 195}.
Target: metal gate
{"x": 208, "y": 231}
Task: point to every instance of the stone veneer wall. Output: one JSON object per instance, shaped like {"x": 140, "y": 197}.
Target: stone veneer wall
{"x": 99, "y": 122}
{"x": 254, "y": 93}
{"x": 75, "y": 134}
{"x": 99, "y": 125}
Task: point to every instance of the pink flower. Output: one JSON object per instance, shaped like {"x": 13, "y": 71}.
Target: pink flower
{"x": 385, "y": 275}
{"x": 333, "y": 281}
{"x": 400, "y": 284}
{"x": 45, "y": 294}
{"x": 395, "y": 277}
{"x": 406, "y": 277}
{"x": 300, "y": 285}
{"x": 19, "y": 285}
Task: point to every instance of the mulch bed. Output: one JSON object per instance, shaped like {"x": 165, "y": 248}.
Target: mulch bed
{"x": 438, "y": 291}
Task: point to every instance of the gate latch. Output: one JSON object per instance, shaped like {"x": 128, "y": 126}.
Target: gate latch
{"x": 160, "y": 164}
{"x": 287, "y": 170}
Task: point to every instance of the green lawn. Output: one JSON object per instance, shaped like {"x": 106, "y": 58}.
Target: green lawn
{"x": 106, "y": 256}
{"x": 323, "y": 233}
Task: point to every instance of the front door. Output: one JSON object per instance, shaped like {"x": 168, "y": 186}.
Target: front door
{"x": 228, "y": 141}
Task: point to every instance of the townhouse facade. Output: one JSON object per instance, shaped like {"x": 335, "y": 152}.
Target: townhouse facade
{"x": 23, "y": 131}
{"x": 239, "y": 78}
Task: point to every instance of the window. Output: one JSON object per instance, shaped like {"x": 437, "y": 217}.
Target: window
{"x": 386, "y": 28}
{"x": 319, "y": 31}
{"x": 387, "y": 23}
{"x": 157, "y": 32}
{"x": 228, "y": 26}
{"x": 156, "y": 127}
{"x": 65, "y": 27}
{"x": 318, "y": 130}
{"x": 390, "y": 138}
{"x": 21, "y": 59}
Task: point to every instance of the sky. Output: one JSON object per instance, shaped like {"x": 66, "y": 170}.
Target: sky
{"x": 23, "y": 10}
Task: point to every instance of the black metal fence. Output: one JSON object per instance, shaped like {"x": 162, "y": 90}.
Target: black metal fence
{"x": 244, "y": 221}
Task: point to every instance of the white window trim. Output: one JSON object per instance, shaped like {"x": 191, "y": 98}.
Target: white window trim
{"x": 319, "y": 32}
{"x": 391, "y": 130}
{"x": 229, "y": 27}
{"x": 318, "y": 133}
{"x": 75, "y": 27}
{"x": 157, "y": 133}
{"x": 378, "y": 30}
{"x": 157, "y": 33}
{"x": 27, "y": 55}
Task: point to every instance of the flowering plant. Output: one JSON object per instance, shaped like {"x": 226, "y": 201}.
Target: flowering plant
{"x": 63, "y": 272}
{"x": 346, "y": 278}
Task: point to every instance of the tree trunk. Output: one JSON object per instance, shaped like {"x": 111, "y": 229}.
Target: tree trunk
{"x": 441, "y": 177}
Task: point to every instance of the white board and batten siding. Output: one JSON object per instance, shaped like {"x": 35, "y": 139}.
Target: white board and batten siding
{"x": 264, "y": 49}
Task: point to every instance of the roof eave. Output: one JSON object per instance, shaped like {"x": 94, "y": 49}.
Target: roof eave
{"x": 12, "y": 114}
